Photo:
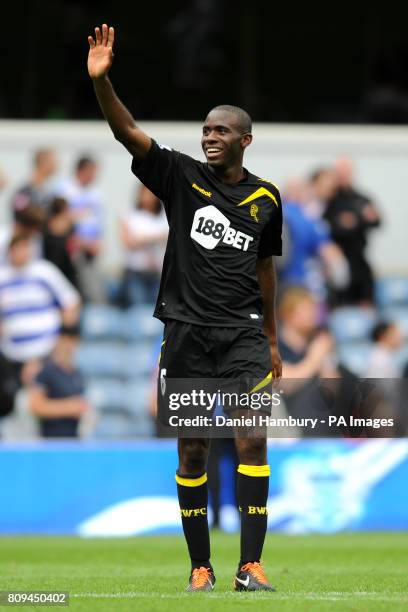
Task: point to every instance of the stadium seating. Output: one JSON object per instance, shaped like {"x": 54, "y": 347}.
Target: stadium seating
{"x": 352, "y": 323}
{"x": 137, "y": 395}
{"x": 138, "y": 324}
{"x": 398, "y": 315}
{"x": 392, "y": 292}
{"x": 99, "y": 322}
{"x": 354, "y": 355}
{"x": 106, "y": 394}
{"x": 100, "y": 359}
{"x": 138, "y": 359}
{"x": 117, "y": 356}
{"x": 402, "y": 357}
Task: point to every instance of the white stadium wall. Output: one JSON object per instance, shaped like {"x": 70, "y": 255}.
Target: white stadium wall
{"x": 278, "y": 151}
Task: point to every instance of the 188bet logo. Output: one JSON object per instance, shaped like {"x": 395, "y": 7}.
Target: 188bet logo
{"x": 210, "y": 227}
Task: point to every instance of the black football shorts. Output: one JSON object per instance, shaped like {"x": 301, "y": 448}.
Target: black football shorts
{"x": 229, "y": 359}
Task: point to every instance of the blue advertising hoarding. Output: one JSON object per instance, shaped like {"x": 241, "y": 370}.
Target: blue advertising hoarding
{"x": 128, "y": 488}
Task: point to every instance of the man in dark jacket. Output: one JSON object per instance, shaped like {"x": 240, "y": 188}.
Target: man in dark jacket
{"x": 351, "y": 215}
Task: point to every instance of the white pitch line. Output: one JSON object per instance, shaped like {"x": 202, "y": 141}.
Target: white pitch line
{"x": 330, "y": 596}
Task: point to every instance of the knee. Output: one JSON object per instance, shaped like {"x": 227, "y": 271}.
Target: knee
{"x": 193, "y": 456}
{"x": 252, "y": 451}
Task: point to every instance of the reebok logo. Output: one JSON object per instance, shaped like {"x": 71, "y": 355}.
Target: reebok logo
{"x": 208, "y": 194}
{"x": 193, "y": 512}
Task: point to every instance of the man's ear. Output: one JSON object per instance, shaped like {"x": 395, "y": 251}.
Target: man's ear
{"x": 246, "y": 140}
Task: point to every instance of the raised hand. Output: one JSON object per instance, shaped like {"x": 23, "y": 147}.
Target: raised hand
{"x": 100, "y": 55}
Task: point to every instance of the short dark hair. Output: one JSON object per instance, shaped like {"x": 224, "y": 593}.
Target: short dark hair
{"x": 31, "y": 217}
{"x": 56, "y": 207}
{"x": 83, "y": 161}
{"x": 317, "y": 173}
{"x": 244, "y": 120}
{"x": 380, "y": 329}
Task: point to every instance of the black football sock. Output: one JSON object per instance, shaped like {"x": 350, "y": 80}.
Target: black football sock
{"x": 193, "y": 500}
{"x": 252, "y": 492}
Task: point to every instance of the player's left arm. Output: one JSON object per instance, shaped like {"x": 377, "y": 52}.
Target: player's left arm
{"x": 266, "y": 273}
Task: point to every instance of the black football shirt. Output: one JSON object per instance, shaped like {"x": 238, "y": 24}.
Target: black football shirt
{"x": 217, "y": 232}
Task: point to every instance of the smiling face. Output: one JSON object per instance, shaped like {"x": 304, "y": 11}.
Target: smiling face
{"x": 224, "y": 139}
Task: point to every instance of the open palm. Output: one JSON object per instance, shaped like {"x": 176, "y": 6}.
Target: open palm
{"x": 100, "y": 55}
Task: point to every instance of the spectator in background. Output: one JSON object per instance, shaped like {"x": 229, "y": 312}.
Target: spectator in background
{"x": 304, "y": 349}
{"x": 57, "y": 395}
{"x": 9, "y": 385}
{"x": 59, "y": 241}
{"x": 144, "y": 233}
{"x": 311, "y": 258}
{"x": 36, "y": 192}
{"x": 35, "y": 299}
{"x": 383, "y": 361}
{"x": 322, "y": 187}
{"x": 351, "y": 216}
{"x": 28, "y": 221}
{"x": 3, "y": 179}
{"x": 86, "y": 206}
{"x": 302, "y": 346}
{"x": 314, "y": 384}
{"x": 385, "y": 366}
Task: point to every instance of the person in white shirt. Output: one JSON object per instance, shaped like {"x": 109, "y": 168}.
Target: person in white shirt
{"x": 144, "y": 232}
{"x": 383, "y": 362}
{"x": 35, "y": 300}
{"x": 39, "y": 188}
{"x": 384, "y": 366}
{"x": 85, "y": 203}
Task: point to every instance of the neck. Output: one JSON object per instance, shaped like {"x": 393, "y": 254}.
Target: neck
{"x": 230, "y": 175}
{"x": 61, "y": 359}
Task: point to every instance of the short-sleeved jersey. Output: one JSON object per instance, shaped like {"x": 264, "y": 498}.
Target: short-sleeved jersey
{"x": 217, "y": 233}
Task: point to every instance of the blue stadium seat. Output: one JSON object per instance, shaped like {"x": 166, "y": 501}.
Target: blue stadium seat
{"x": 99, "y": 321}
{"x": 143, "y": 427}
{"x": 392, "y": 292}
{"x": 120, "y": 425}
{"x": 398, "y": 315}
{"x": 402, "y": 356}
{"x": 139, "y": 323}
{"x": 112, "y": 289}
{"x": 137, "y": 395}
{"x": 100, "y": 359}
{"x": 106, "y": 394}
{"x": 351, "y": 323}
{"x": 139, "y": 360}
{"x": 355, "y": 356}
{"x": 113, "y": 425}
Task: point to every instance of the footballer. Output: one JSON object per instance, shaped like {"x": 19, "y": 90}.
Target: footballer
{"x": 216, "y": 298}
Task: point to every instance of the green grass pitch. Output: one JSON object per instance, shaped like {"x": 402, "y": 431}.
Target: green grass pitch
{"x": 340, "y": 572}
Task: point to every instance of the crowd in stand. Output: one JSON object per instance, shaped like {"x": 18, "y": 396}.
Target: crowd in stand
{"x": 49, "y": 268}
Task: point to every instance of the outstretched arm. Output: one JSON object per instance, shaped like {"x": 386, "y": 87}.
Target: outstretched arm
{"x": 267, "y": 284}
{"x": 121, "y": 122}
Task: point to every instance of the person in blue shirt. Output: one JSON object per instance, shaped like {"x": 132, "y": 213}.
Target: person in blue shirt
{"x": 57, "y": 396}
{"x": 311, "y": 259}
